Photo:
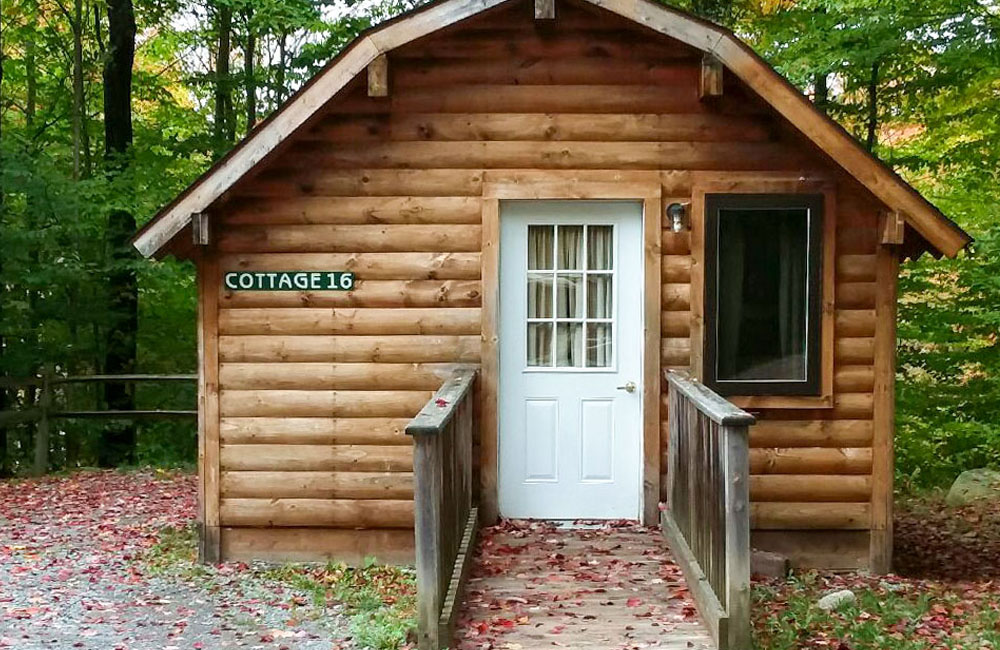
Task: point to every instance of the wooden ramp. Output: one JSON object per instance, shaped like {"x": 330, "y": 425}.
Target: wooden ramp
{"x": 536, "y": 585}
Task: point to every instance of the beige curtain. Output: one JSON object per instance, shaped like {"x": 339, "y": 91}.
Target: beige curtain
{"x": 541, "y": 241}
{"x": 570, "y": 247}
{"x": 569, "y": 345}
{"x": 539, "y": 344}
{"x": 600, "y": 247}
{"x": 598, "y": 345}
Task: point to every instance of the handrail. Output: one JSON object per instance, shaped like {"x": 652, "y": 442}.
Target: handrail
{"x": 707, "y": 519}
{"x": 446, "y": 519}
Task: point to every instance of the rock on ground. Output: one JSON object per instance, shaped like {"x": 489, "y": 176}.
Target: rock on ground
{"x": 973, "y": 485}
{"x": 836, "y": 600}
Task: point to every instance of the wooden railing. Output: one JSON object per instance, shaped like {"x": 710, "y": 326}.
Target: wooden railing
{"x": 446, "y": 518}
{"x": 47, "y": 407}
{"x": 707, "y": 519}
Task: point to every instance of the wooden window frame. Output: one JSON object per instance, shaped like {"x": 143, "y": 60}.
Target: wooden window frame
{"x": 707, "y": 183}
{"x": 812, "y": 204}
{"x": 645, "y": 187}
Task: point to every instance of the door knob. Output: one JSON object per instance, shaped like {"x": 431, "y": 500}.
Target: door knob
{"x": 629, "y": 387}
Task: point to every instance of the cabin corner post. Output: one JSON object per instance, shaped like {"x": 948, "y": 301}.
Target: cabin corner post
{"x": 884, "y": 413}
{"x": 210, "y": 541}
{"x": 737, "y": 459}
{"x": 489, "y": 442}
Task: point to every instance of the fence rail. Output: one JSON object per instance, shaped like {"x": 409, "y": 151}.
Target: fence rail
{"x": 707, "y": 520}
{"x": 446, "y": 518}
{"x": 47, "y": 410}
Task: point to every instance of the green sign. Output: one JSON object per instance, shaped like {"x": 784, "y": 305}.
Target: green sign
{"x": 288, "y": 280}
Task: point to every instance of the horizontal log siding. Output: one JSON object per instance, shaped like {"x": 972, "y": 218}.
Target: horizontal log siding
{"x": 316, "y": 387}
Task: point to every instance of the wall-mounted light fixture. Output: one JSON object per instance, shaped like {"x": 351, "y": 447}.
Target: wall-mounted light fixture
{"x": 677, "y": 213}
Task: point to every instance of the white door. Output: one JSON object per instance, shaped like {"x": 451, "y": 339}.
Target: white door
{"x": 570, "y": 359}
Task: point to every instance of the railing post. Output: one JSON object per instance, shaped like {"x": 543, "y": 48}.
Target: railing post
{"x": 41, "y": 461}
{"x": 427, "y": 530}
{"x": 737, "y": 469}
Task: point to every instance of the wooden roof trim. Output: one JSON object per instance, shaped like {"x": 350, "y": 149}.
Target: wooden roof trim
{"x": 270, "y": 133}
{"x": 830, "y": 137}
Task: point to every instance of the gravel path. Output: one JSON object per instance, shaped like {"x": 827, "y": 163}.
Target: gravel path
{"x": 70, "y": 575}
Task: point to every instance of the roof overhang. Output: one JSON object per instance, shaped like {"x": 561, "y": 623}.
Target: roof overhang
{"x": 940, "y": 232}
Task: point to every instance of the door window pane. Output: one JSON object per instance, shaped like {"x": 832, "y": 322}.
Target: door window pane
{"x": 570, "y": 287}
{"x": 541, "y": 247}
{"x": 600, "y": 247}
{"x": 539, "y": 344}
{"x": 539, "y": 295}
{"x": 599, "y": 296}
{"x": 570, "y": 247}
{"x": 598, "y": 345}
{"x": 569, "y": 296}
{"x": 569, "y": 345}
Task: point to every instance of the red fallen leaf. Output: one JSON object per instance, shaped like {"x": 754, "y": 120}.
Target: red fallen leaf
{"x": 504, "y": 623}
{"x": 689, "y": 611}
{"x": 198, "y": 645}
{"x": 558, "y": 629}
{"x": 266, "y": 638}
{"x": 633, "y": 602}
{"x": 441, "y": 402}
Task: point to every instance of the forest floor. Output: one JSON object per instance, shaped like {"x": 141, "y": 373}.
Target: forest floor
{"x": 107, "y": 560}
{"x": 946, "y": 594}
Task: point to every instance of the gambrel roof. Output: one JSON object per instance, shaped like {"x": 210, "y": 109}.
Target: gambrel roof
{"x": 939, "y": 232}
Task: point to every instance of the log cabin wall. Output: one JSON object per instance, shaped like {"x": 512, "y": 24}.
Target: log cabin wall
{"x": 315, "y": 388}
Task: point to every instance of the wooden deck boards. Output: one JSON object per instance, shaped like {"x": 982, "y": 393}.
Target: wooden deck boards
{"x": 537, "y": 586}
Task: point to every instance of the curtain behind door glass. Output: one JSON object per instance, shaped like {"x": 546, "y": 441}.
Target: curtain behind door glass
{"x": 762, "y": 300}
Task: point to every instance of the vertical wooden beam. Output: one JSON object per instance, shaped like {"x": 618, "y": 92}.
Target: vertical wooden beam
{"x": 490, "y": 363}
{"x": 208, "y": 407}
{"x": 378, "y": 77}
{"x": 427, "y": 488}
{"x": 828, "y": 292}
{"x": 42, "y": 437}
{"x": 697, "y": 282}
{"x": 893, "y": 228}
{"x": 886, "y": 276}
{"x": 737, "y": 552}
{"x": 711, "y": 79}
{"x": 545, "y": 9}
{"x": 199, "y": 229}
{"x": 652, "y": 250}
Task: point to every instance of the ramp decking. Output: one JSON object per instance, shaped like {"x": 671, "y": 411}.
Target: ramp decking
{"x": 538, "y": 585}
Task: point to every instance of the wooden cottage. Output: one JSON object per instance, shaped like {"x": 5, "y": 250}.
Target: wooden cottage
{"x": 572, "y": 198}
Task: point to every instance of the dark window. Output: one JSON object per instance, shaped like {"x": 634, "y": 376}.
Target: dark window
{"x": 762, "y": 293}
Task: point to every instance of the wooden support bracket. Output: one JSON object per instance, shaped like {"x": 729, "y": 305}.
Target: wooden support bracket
{"x": 893, "y": 229}
{"x": 378, "y": 77}
{"x": 545, "y": 9}
{"x": 711, "y": 77}
{"x": 199, "y": 229}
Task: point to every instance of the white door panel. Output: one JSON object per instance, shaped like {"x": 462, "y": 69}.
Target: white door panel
{"x": 570, "y": 340}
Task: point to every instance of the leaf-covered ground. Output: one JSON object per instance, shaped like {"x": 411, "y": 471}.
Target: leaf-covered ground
{"x": 106, "y": 560}
{"x": 946, "y": 596}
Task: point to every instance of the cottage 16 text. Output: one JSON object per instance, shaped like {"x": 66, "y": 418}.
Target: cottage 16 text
{"x": 288, "y": 280}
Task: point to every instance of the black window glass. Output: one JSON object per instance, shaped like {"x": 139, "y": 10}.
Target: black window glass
{"x": 762, "y": 293}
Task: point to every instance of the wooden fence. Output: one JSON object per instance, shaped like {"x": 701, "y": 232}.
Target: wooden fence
{"x": 707, "y": 520}
{"x": 446, "y": 518}
{"x": 47, "y": 408}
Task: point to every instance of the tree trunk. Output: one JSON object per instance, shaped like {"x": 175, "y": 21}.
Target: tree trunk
{"x": 224, "y": 129}
{"x": 76, "y": 26}
{"x": 4, "y": 463}
{"x": 821, "y": 96}
{"x": 279, "y": 77}
{"x": 249, "y": 82}
{"x": 872, "y": 138}
{"x": 118, "y": 438}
